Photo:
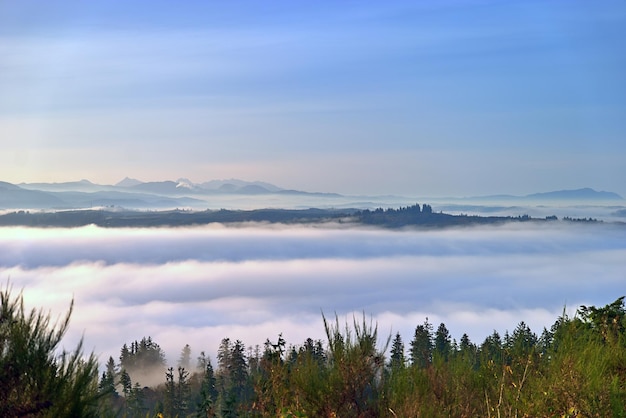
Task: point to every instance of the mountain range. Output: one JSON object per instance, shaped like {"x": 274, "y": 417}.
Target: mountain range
{"x": 134, "y": 194}
{"x": 584, "y": 194}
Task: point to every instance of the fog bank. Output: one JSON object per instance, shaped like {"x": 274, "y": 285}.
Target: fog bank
{"x": 198, "y": 285}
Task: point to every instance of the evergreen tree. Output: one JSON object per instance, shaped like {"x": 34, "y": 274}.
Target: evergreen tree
{"x": 107, "y": 382}
{"x": 143, "y": 359}
{"x": 183, "y": 392}
{"x": 315, "y": 349}
{"x": 169, "y": 403}
{"x": 208, "y": 393}
{"x": 202, "y": 362}
{"x": 232, "y": 377}
{"x": 465, "y": 343}
{"x": 443, "y": 343}
{"x": 523, "y": 340}
{"x": 126, "y": 383}
{"x": 125, "y": 357}
{"x": 223, "y": 356}
{"x": 35, "y": 379}
{"x": 254, "y": 360}
{"x": 396, "y": 360}
{"x": 491, "y": 348}
{"x": 609, "y": 321}
{"x": 109, "y": 396}
{"x": 239, "y": 371}
{"x": 544, "y": 343}
{"x": 422, "y": 345}
{"x": 185, "y": 357}
{"x": 135, "y": 401}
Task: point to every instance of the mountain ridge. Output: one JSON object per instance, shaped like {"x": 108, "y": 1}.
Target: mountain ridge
{"x": 585, "y": 193}
{"x": 132, "y": 193}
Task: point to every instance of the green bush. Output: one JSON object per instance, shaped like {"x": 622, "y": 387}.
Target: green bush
{"x": 35, "y": 379}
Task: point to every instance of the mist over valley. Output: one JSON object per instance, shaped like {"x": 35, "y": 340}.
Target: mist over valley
{"x": 313, "y": 209}
{"x": 198, "y": 284}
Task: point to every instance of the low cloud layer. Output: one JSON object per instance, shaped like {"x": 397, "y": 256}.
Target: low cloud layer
{"x": 199, "y": 285}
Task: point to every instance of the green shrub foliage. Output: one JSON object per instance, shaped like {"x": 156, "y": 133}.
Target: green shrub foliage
{"x": 576, "y": 368}
{"x": 36, "y": 380}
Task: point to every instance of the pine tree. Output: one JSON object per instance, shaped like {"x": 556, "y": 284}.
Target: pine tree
{"x": 208, "y": 393}
{"x": 169, "y": 402}
{"x": 126, "y": 383}
{"x": 107, "y": 382}
{"x": 185, "y": 357}
{"x": 422, "y": 345}
{"x": 523, "y": 340}
{"x": 35, "y": 380}
{"x": 125, "y": 357}
{"x": 396, "y": 360}
{"x": 443, "y": 342}
{"x": 135, "y": 401}
{"x": 142, "y": 359}
{"x": 202, "y": 362}
{"x": 183, "y": 392}
{"x": 239, "y": 371}
{"x": 491, "y": 349}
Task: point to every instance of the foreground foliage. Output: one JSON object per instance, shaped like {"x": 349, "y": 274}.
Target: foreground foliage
{"x": 577, "y": 368}
{"x": 36, "y": 380}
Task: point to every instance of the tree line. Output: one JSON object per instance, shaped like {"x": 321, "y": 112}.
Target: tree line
{"x": 575, "y": 368}
{"x": 414, "y": 215}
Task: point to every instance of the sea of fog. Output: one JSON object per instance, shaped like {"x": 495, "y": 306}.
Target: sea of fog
{"x": 198, "y": 285}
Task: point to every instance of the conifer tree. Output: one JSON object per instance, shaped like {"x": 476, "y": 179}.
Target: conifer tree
{"x": 35, "y": 380}
{"x": 443, "y": 342}
{"x": 107, "y": 382}
{"x": 185, "y": 357}
{"x": 523, "y": 340}
{"x": 491, "y": 348}
{"x": 135, "y": 401}
{"x": 169, "y": 403}
{"x": 396, "y": 359}
{"x": 183, "y": 392}
{"x": 422, "y": 345}
{"x": 208, "y": 393}
{"x": 126, "y": 383}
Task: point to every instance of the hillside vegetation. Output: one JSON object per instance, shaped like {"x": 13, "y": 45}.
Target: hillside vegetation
{"x": 410, "y": 216}
{"x": 577, "y": 368}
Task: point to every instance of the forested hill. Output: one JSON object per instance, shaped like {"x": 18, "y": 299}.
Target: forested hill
{"x": 416, "y": 215}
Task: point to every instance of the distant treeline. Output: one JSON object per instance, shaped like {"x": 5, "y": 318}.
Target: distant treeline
{"x": 414, "y": 215}
{"x": 577, "y": 368}
{"x": 426, "y": 217}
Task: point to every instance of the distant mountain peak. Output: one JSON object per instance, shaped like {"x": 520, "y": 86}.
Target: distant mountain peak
{"x": 576, "y": 194}
{"x": 128, "y": 182}
{"x": 233, "y": 185}
{"x": 185, "y": 183}
{"x": 8, "y": 186}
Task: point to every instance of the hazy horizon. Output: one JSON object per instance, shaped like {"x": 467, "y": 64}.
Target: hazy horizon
{"x": 440, "y": 98}
{"x": 280, "y": 186}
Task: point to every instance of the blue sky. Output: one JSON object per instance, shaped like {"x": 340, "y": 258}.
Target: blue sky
{"x": 418, "y": 98}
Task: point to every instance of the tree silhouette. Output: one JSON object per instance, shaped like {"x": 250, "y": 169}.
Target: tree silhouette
{"x": 421, "y": 352}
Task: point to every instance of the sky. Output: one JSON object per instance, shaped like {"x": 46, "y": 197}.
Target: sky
{"x": 426, "y": 98}
{"x": 199, "y": 285}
